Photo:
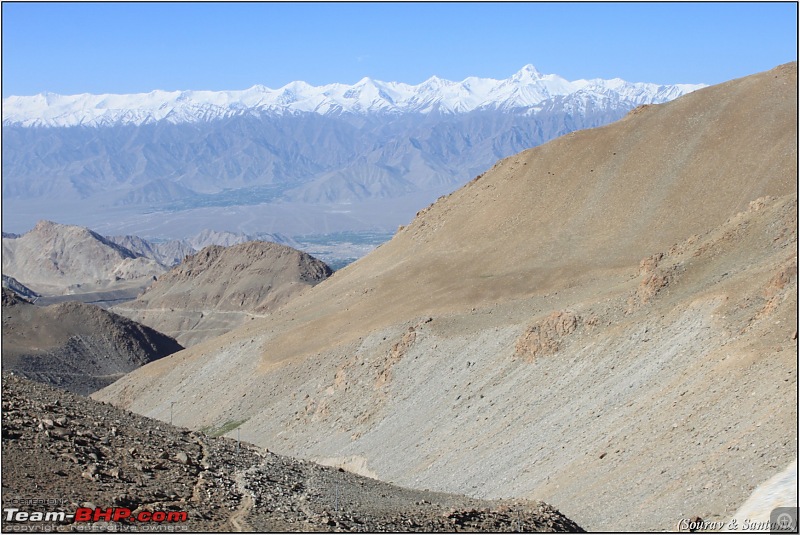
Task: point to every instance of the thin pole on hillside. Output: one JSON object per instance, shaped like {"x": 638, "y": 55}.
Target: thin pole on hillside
{"x": 336, "y": 487}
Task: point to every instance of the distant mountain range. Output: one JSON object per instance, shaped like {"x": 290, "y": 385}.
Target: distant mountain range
{"x": 527, "y": 90}
{"x": 98, "y": 160}
{"x": 52, "y": 258}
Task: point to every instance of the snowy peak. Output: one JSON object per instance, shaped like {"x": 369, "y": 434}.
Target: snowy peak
{"x": 527, "y": 74}
{"x": 526, "y": 90}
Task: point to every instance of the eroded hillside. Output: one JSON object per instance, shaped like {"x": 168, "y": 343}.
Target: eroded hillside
{"x": 606, "y": 322}
{"x": 75, "y": 346}
{"x": 219, "y": 288}
{"x": 57, "y": 259}
{"x": 96, "y": 456}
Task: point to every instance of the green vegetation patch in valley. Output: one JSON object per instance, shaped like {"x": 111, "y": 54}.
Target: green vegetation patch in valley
{"x": 227, "y": 427}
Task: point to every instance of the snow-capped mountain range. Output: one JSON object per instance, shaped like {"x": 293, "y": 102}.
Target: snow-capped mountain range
{"x": 295, "y": 160}
{"x": 527, "y": 91}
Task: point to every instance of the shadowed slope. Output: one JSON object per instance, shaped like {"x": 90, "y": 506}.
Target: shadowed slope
{"x": 75, "y": 346}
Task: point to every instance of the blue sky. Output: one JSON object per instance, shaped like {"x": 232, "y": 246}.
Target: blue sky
{"x": 72, "y": 48}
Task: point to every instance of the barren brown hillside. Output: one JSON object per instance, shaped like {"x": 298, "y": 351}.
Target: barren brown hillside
{"x": 606, "y": 322}
{"x": 55, "y": 259}
{"x": 219, "y": 288}
{"x": 75, "y": 346}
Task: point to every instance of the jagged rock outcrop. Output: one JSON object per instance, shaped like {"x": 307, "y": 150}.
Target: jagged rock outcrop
{"x": 18, "y": 288}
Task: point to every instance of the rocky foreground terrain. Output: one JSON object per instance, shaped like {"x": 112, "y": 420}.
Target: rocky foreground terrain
{"x": 82, "y": 453}
{"x": 75, "y": 346}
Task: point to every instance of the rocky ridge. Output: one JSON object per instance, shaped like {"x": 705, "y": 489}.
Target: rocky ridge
{"x": 75, "y": 346}
{"x": 172, "y": 252}
{"x": 89, "y": 454}
{"x": 219, "y": 288}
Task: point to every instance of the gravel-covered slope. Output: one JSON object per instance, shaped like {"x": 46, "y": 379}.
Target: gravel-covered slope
{"x": 80, "y": 453}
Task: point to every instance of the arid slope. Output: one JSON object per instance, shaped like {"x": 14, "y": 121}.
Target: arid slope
{"x": 55, "y": 259}
{"x": 219, "y": 288}
{"x": 604, "y": 322}
{"x": 75, "y": 346}
{"x": 90, "y": 453}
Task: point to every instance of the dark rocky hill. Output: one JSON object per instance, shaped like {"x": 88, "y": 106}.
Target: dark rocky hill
{"x": 75, "y": 346}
